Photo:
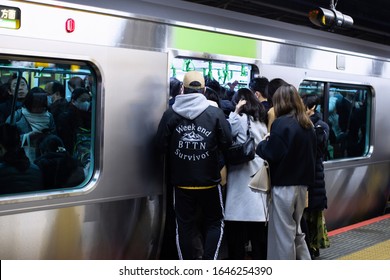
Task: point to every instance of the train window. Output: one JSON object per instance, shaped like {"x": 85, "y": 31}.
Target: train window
{"x": 46, "y": 124}
{"x": 346, "y": 109}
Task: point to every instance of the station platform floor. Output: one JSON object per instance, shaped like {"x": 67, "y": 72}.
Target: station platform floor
{"x": 368, "y": 240}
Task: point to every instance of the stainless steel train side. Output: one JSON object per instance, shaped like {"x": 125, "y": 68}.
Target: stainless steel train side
{"x": 118, "y": 214}
{"x": 130, "y": 45}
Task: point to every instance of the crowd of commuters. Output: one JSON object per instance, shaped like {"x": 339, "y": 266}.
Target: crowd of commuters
{"x": 45, "y": 143}
{"x": 213, "y": 213}
{"x": 44, "y": 138}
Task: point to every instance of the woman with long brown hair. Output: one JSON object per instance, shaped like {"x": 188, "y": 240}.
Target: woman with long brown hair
{"x": 290, "y": 150}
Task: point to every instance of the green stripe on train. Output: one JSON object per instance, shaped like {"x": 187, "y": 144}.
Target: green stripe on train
{"x": 209, "y": 42}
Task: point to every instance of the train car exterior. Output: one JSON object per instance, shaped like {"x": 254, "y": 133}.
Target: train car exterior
{"x": 127, "y": 50}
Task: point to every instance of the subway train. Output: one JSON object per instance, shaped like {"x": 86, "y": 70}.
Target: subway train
{"x": 126, "y": 51}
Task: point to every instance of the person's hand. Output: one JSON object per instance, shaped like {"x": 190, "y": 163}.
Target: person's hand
{"x": 232, "y": 85}
{"x": 240, "y": 103}
{"x": 266, "y": 136}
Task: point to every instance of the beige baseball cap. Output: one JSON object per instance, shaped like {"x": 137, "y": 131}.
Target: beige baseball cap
{"x": 194, "y": 80}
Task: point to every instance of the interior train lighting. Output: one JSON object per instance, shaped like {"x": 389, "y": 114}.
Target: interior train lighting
{"x": 330, "y": 18}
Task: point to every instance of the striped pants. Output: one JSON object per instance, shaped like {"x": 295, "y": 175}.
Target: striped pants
{"x": 199, "y": 212}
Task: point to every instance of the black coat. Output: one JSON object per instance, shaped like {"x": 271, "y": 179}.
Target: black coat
{"x": 193, "y": 146}
{"x": 317, "y": 191}
{"x": 60, "y": 170}
{"x": 290, "y": 151}
{"x": 17, "y": 174}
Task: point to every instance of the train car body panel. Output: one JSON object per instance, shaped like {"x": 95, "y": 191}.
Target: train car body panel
{"x": 130, "y": 46}
{"x": 111, "y": 210}
{"x": 90, "y": 231}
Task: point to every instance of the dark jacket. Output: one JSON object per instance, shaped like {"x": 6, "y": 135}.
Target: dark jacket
{"x": 69, "y": 120}
{"x": 6, "y": 108}
{"x": 18, "y": 175}
{"x": 192, "y": 133}
{"x": 290, "y": 151}
{"x": 317, "y": 191}
{"x": 65, "y": 123}
{"x": 60, "y": 170}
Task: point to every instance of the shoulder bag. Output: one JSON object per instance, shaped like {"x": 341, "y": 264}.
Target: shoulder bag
{"x": 29, "y": 149}
{"x": 242, "y": 152}
{"x": 261, "y": 181}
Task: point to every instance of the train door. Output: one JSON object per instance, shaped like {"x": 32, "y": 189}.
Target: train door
{"x": 223, "y": 75}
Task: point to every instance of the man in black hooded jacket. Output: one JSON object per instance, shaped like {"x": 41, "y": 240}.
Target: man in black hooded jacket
{"x": 192, "y": 134}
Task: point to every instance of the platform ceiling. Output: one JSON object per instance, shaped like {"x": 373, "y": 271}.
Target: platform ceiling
{"x": 371, "y": 17}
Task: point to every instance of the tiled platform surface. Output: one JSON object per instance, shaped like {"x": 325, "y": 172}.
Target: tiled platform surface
{"x": 369, "y": 240}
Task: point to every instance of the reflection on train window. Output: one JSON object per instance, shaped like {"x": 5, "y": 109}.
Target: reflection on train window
{"x": 346, "y": 109}
{"x": 46, "y": 124}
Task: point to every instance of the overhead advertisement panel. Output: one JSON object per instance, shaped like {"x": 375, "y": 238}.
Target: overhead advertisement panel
{"x": 211, "y": 42}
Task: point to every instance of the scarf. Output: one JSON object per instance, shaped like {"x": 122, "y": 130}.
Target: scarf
{"x": 38, "y": 122}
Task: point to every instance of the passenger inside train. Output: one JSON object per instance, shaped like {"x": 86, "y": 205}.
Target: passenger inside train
{"x": 59, "y": 169}
{"x": 42, "y": 115}
{"x": 33, "y": 121}
{"x": 14, "y": 102}
{"x": 61, "y": 110}
{"x": 17, "y": 173}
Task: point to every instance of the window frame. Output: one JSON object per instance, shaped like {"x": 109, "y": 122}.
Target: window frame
{"x": 325, "y": 95}
{"x": 76, "y": 67}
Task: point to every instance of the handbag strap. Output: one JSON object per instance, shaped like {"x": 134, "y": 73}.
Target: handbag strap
{"x": 248, "y": 131}
{"x": 268, "y": 196}
{"x": 266, "y": 208}
{"x": 26, "y": 139}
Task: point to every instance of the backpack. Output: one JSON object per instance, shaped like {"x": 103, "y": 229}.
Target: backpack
{"x": 322, "y": 139}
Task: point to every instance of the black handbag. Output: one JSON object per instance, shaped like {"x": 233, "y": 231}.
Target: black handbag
{"x": 242, "y": 152}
